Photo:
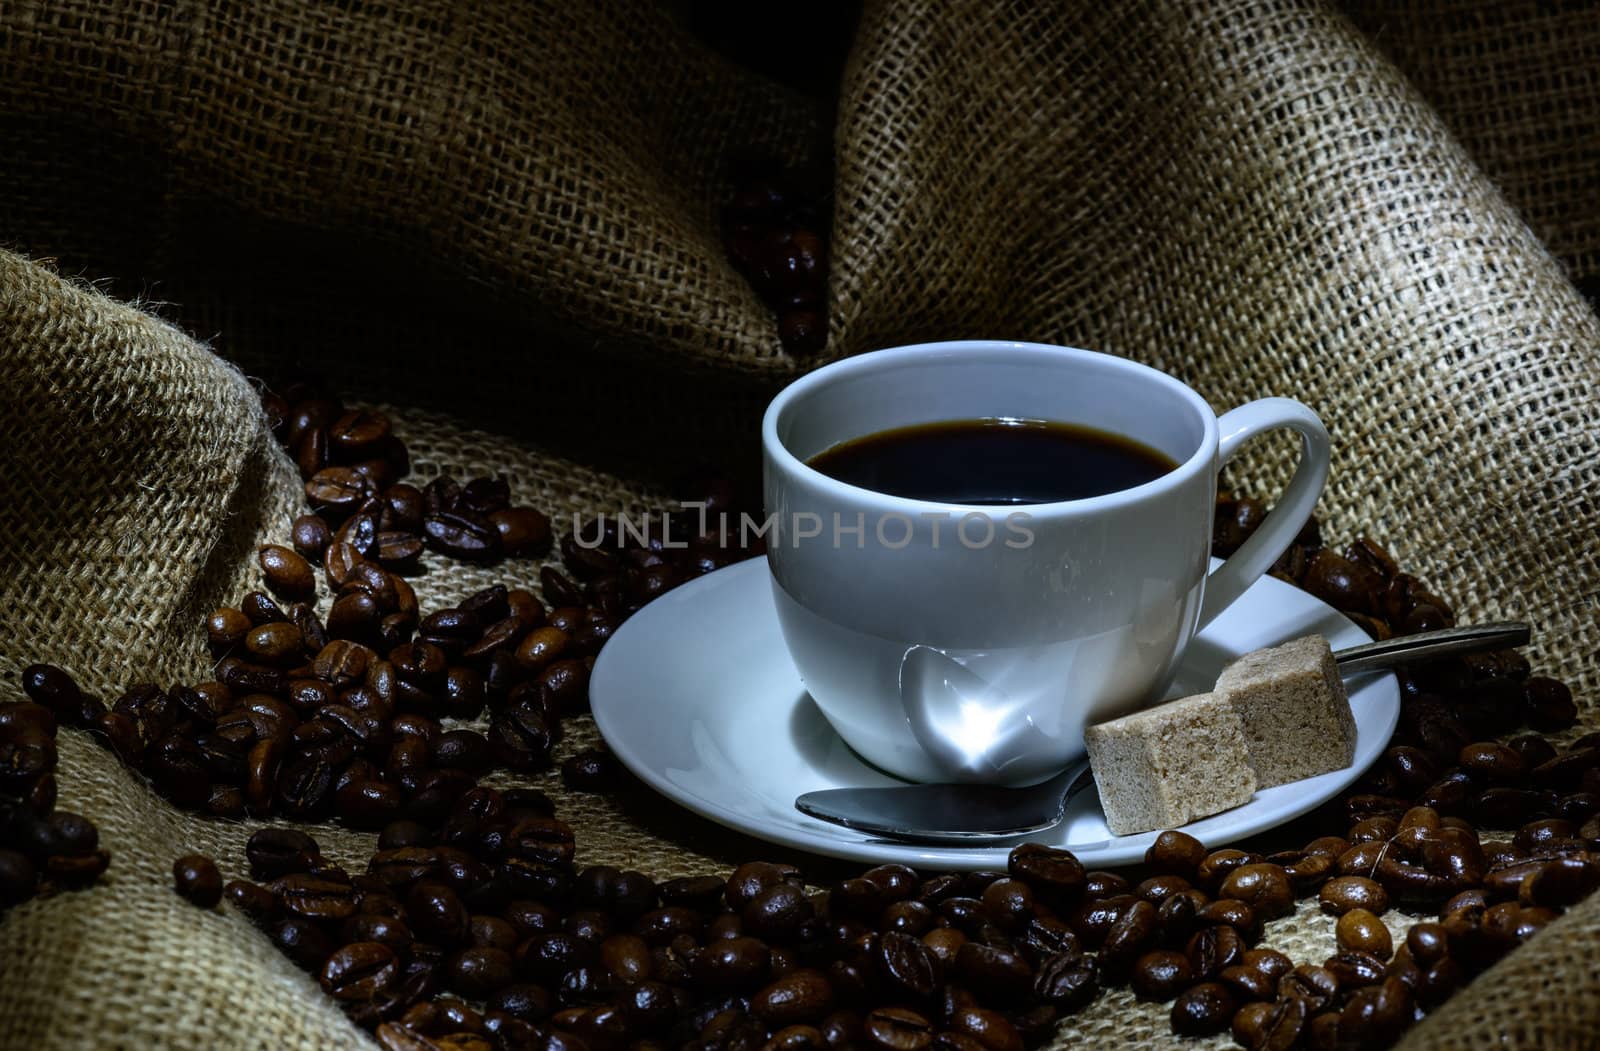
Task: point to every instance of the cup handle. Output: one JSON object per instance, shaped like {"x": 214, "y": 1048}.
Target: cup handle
{"x": 1256, "y": 555}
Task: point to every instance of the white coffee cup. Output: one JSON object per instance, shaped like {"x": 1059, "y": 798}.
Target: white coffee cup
{"x": 940, "y": 641}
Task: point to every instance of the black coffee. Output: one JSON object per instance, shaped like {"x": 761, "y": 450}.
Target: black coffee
{"x": 993, "y": 461}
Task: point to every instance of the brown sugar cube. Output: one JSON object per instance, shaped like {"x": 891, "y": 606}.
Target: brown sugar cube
{"x": 1295, "y": 712}
{"x": 1171, "y": 764}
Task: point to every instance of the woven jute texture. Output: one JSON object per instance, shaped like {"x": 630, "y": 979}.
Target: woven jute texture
{"x": 501, "y": 220}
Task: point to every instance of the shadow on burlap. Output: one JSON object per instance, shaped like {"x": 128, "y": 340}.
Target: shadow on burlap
{"x": 1254, "y": 197}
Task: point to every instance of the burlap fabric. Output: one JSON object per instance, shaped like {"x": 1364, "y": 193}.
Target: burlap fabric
{"x": 509, "y": 215}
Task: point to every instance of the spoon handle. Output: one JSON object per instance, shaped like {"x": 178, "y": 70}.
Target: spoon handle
{"x": 1428, "y": 644}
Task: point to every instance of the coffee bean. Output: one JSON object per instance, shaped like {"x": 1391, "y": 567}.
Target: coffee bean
{"x": 1307, "y": 872}
{"x": 373, "y": 927}
{"x": 1361, "y": 931}
{"x": 1133, "y": 932}
{"x": 524, "y": 532}
{"x": 1213, "y": 949}
{"x": 256, "y": 902}
{"x": 312, "y": 453}
{"x": 1539, "y": 833}
{"x": 196, "y": 878}
{"x": 1177, "y": 853}
{"x": 1493, "y": 762}
{"x": 452, "y": 630}
{"x": 368, "y": 803}
{"x": 1227, "y": 912}
{"x": 777, "y": 912}
{"x": 358, "y": 433}
{"x": 559, "y": 590}
{"x": 989, "y": 1029}
{"x": 1068, "y": 981}
{"x": 226, "y": 628}
{"x": 339, "y": 563}
{"x": 316, "y": 899}
{"x": 41, "y": 795}
{"x": 275, "y": 852}
{"x": 1010, "y": 903}
{"x": 288, "y": 575}
{"x": 1091, "y": 920}
{"x": 478, "y": 972}
{"x": 1250, "y": 1024}
{"x": 1561, "y": 881}
{"x": 1375, "y": 1016}
{"x": 1547, "y": 704}
{"x": 1203, "y": 1009}
{"x": 402, "y": 510}
{"x": 521, "y": 739}
{"x": 1503, "y": 807}
{"x": 565, "y": 684}
{"x": 311, "y": 536}
{"x": 897, "y": 1029}
{"x": 420, "y": 663}
{"x": 1344, "y": 893}
{"x": 260, "y": 609}
{"x": 1252, "y": 979}
{"x": 1158, "y": 889}
{"x": 1355, "y": 968}
{"x": 540, "y": 647}
{"x": 1160, "y": 975}
{"x": 1177, "y": 916}
{"x": 355, "y": 615}
{"x": 592, "y": 770}
{"x": 463, "y": 535}
{"x": 463, "y": 750}
{"x": 279, "y": 643}
{"x": 1316, "y": 986}
{"x": 18, "y": 878}
{"x": 995, "y": 974}
{"x": 76, "y": 870}
{"x": 908, "y": 965}
{"x": 1264, "y": 887}
{"x": 362, "y": 971}
{"x": 1271, "y": 1026}
{"x": 1216, "y": 866}
{"x": 395, "y": 629}
{"x": 1362, "y": 858}
{"x": 377, "y": 582}
{"x": 60, "y": 833}
{"x": 338, "y": 491}
{"x": 798, "y": 997}
{"x": 304, "y": 942}
{"x": 400, "y": 867}
{"x": 25, "y": 756}
{"x": 436, "y": 913}
{"x": 731, "y": 964}
{"x": 305, "y": 783}
{"x": 1045, "y": 936}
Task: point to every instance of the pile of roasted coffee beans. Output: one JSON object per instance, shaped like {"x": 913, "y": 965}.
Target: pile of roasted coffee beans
{"x": 473, "y": 927}
{"x": 775, "y": 234}
{"x": 365, "y": 716}
{"x": 362, "y": 512}
{"x": 481, "y": 932}
{"x": 353, "y": 466}
{"x": 41, "y": 848}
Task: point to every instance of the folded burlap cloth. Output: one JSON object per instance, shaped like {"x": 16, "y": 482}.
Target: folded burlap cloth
{"x": 501, "y": 219}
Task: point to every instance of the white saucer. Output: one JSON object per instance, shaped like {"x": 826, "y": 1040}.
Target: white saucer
{"x": 696, "y": 695}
